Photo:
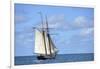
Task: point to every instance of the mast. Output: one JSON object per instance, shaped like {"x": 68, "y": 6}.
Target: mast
{"x": 43, "y": 32}
{"x": 47, "y": 30}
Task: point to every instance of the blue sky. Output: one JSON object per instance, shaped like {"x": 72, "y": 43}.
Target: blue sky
{"x": 71, "y": 28}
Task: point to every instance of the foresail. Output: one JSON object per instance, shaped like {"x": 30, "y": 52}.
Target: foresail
{"x": 39, "y": 44}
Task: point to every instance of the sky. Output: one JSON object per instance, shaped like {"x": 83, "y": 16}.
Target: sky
{"x": 71, "y": 28}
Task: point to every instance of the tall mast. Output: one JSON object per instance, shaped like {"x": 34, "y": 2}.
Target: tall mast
{"x": 47, "y": 30}
{"x": 43, "y": 32}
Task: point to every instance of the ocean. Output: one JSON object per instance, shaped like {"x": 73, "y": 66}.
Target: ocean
{"x": 60, "y": 58}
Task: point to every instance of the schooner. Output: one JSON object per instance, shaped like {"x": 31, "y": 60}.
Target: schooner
{"x": 44, "y": 46}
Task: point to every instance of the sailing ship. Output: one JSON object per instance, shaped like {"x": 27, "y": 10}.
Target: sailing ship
{"x": 44, "y": 46}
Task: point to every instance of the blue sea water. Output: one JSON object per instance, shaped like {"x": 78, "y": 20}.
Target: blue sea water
{"x": 60, "y": 58}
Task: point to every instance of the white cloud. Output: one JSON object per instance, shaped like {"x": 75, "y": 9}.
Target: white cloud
{"x": 82, "y": 21}
{"x": 24, "y": 37}
{"x": 86, "y": 31}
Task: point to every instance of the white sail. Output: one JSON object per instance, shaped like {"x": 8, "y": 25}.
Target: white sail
{"x": 39, "y": 44}
{"x": 40, "y": 47}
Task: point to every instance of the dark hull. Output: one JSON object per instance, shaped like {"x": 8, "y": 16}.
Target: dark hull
{"x": 41, "y": 58}
{"x": 45, "y": 57}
